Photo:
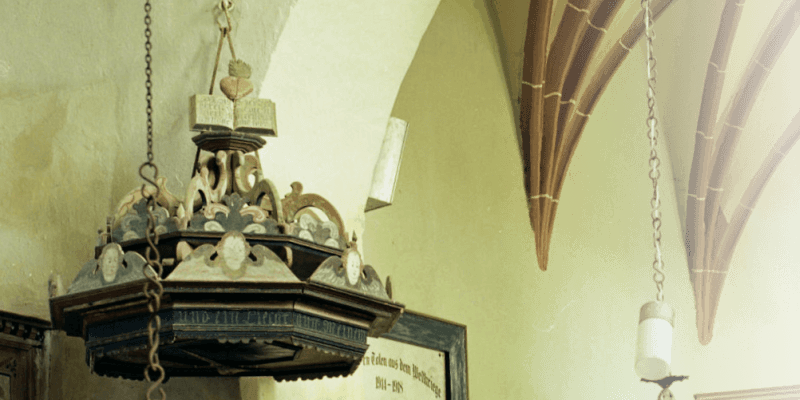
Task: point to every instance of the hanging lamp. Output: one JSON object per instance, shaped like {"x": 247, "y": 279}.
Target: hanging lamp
{"x": 656, "y": 318}
{"x": 231, "y": 280}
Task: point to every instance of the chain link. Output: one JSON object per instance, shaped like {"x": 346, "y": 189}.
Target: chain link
{"x": 153, "y": 289}
{"x": 652, "y": 133}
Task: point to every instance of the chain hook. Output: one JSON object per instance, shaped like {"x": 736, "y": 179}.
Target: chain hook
{"x": 222, "y": 11}
{"x": 226, "y": 5}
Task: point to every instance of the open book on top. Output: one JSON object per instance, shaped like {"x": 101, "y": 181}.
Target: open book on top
{"x": 246, "y": 115}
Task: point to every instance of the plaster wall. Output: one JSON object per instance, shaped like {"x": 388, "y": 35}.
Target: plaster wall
{"x": 73, "y": 135}
{"x": 458, "y": 245}
{"x": 456, "y": 242}
{"x": 73, "y": 126}
{"x": 73, "y": 111}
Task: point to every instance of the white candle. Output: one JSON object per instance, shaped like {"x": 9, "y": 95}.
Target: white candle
{"x": 654, "y": 340}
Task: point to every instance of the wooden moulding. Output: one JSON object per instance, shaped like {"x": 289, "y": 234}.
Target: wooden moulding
{"x": 574, "y": 126}
{"x": 712, "y": 90}
{"x": 715, "y": 219}
{"x": 539, "y": 15}
{"x": 24, "y": 356}
{"x": 525, "y": 120}
{"x": 323, "y": 327}
{"x": 754, "y": 189}
{"x": 733, "y": 231}
{"x": 744, "y": 99}
{"x": 595, "y": 31}
{"x": 599, "y": 19}
{"x": 772, "y": 44}
{"x": 602, "y": 77}
{"x": 450, "y": 338}
{"x": 773, "y": 393}
{"x": 562, "y": 51}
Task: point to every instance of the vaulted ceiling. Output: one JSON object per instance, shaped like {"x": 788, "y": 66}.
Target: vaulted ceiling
{"x": 725, "y": 104}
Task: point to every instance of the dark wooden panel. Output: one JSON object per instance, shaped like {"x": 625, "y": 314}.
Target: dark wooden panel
{"x": 437, "y": 334}
{"x": 23, "y": 365}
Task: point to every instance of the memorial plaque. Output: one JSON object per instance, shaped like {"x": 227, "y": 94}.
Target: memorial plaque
{"x": 421, "y": 358}
{"x": 395, "y": 370}
{"x": 389, "y": 370}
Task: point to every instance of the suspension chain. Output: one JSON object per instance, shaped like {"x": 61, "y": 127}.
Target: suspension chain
{"x": 655, "y": 162}
{"x": 153, "y": 289}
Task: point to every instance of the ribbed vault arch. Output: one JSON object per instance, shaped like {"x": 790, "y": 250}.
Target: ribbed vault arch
{"x": 726, "y": 109}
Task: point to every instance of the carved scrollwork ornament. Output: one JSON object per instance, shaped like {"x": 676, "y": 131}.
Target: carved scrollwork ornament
{"x": 296, "y": 201}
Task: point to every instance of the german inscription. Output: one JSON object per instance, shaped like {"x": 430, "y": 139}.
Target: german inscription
{"x": 331, "y": 328}
{"x": 394, "y": 370}
{"x": 255, "y": 115}
{"x": 256, "y": 318}
{"x": 234, "y": 317}
{"x": 390, "y": 370}
{"x": 211, "y": 113}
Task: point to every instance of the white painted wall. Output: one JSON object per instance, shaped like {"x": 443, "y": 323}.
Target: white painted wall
{"x": 334, "y": 77}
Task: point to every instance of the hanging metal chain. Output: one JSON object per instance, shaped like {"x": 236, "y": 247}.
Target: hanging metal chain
{"x": 153, "y": 289}
{"x": 655, "y": 162}
{"x": 224, "y": 32}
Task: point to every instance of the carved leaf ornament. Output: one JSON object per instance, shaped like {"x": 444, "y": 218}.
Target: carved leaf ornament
{"x": 221, "y": 199}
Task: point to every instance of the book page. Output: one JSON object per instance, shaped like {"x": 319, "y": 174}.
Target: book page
{"x": 211, "y": 113}
{"x": 255, "y": 116}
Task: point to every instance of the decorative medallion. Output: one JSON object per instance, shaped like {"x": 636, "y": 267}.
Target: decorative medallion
{"x": 113, "y": 267}
{"x": 353, "y": 265}
{"x": 354, "y": 278}
{"x": 232, "y": 259}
